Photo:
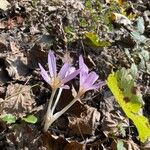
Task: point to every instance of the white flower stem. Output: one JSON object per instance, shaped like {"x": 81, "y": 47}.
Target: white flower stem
{"x": 51, "y": 100}
{"x": 56, "y": 101}
{"x": 48, "y": 115}
{"x": 58, "y": 114}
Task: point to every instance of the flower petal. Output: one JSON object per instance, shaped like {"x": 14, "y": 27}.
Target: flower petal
{"x": 83, "y": 77}
{"x": 70, "y": 76}
{"x": 84, "y": 70}
{"x": 63, "y": 71}
{"x": 71, "y": 70}
{"x": 65, "y": 87}
{"x": 44, "y": 74}
{"x": 82, "y": 65}
{"x": 52, "y": 64}
{"x": 97, "y": 85}
{"x": 92, "y": 77}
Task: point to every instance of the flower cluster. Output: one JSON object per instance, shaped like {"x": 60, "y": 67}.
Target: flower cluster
{"x": 59, "y": 80}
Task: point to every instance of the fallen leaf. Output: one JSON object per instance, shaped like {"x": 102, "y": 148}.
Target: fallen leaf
{"x": 120, "y": 19}
{"x": 18, "y": 100}
{"x": 53, "y": 142}
{"x": 14, "y": 48}
{"x": 129, "y": 98}
{"x": 110, "y": 123}
{"x": 25, "y": 137}
{"x": 4, "y": 4}
{"x": 16, "y": 65}
{"x": 86, "y": 124}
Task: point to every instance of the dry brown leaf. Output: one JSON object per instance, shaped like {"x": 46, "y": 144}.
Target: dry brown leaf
{"x": 2, "y": 25}
{"x": 59, "y": 143}
{"x": 36, "y": 55}
{"x": 14, "y": 48}
{"x": 86, "y": 123}
{"x": 3, "y": 76}
{"x": 111, "y": 120}
{"x": 130, "y": 145}
{"x": 25, "y": 137}
{"x": 146, "y": 145}
{"x": 16, "y": 65}
{"x": 18, "y": 100}
{"x": 3, "y": 46}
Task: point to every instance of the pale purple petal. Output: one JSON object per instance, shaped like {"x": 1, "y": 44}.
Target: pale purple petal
{"x": 96, "y": 86}
{"x": 92, "y": 77}
{"x": 84, "y": 69}
{"x": 63, "y": 71}
{"x": 65, "y": 87}
{"x": 52, "y": 64}
{"x": 71, "y": 70}
{"x": 83, "y": 77}
{"x": 82, "y": 65}
{"x": 44, "y": 74}
{"x": 70, "y": 76}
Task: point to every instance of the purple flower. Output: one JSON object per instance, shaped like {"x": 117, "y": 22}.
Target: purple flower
{"x": 87, "y": 79}
{"x": 65, "y": 74}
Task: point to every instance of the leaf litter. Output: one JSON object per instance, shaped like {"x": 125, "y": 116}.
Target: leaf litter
{"x": 29, "y": 29}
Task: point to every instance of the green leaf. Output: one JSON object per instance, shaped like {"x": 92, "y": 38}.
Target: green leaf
{"x": 140, "y": 25}
{"x": 142, "y": 62}
{"x": 129, "y": 98}
{"x": 92, "y": 39}
{"x": 148, "y": 68}
{"x": 8, "y": 118}
{"x": 145, "y": 55}
{"x": 120, "y": 145}
{"x": 138, "y": 37}
{"x": 30, "y": 119}
{"x": 68, "y": 29}
{"x": 122, "y": 131}
{"x": 134, "y": 70}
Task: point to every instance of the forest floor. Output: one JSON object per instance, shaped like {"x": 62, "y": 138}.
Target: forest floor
{"x": 110, "y": 35}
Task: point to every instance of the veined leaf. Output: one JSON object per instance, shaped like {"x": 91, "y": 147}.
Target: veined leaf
{"x": 30, "y": 119}
{"x": 120, "y": 145}
{"x": 92, "y": 39}
{"x": 140, "y": 25}
{"x": 129, "y": 102}
{"x": 8, "y": 118}
{"x": 138, "y": 37}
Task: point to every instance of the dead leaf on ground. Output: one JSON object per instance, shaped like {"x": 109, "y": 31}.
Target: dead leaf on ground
{"x": 16, "y": 65}
{"x": 110, "y": 122}
{"x": 2, "y": 25}
{"x": 127, "y": 144}
{"x": 4, "y": 4}
{"x": 23, "y": 136}
{"x": 4, "y": 78}
{"x": 59, "y": 143}
{"x": 3, "y": 46}
{"x": 18, "y": 100}
{"x": 86, "y": 123}
{"x": 14, "y": 47}
{"x": 146, "y": 145}
{"x": 37, "y": 55}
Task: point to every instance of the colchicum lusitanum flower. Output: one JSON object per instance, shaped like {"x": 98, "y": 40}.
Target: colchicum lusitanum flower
{"x": 59, "y": 80}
